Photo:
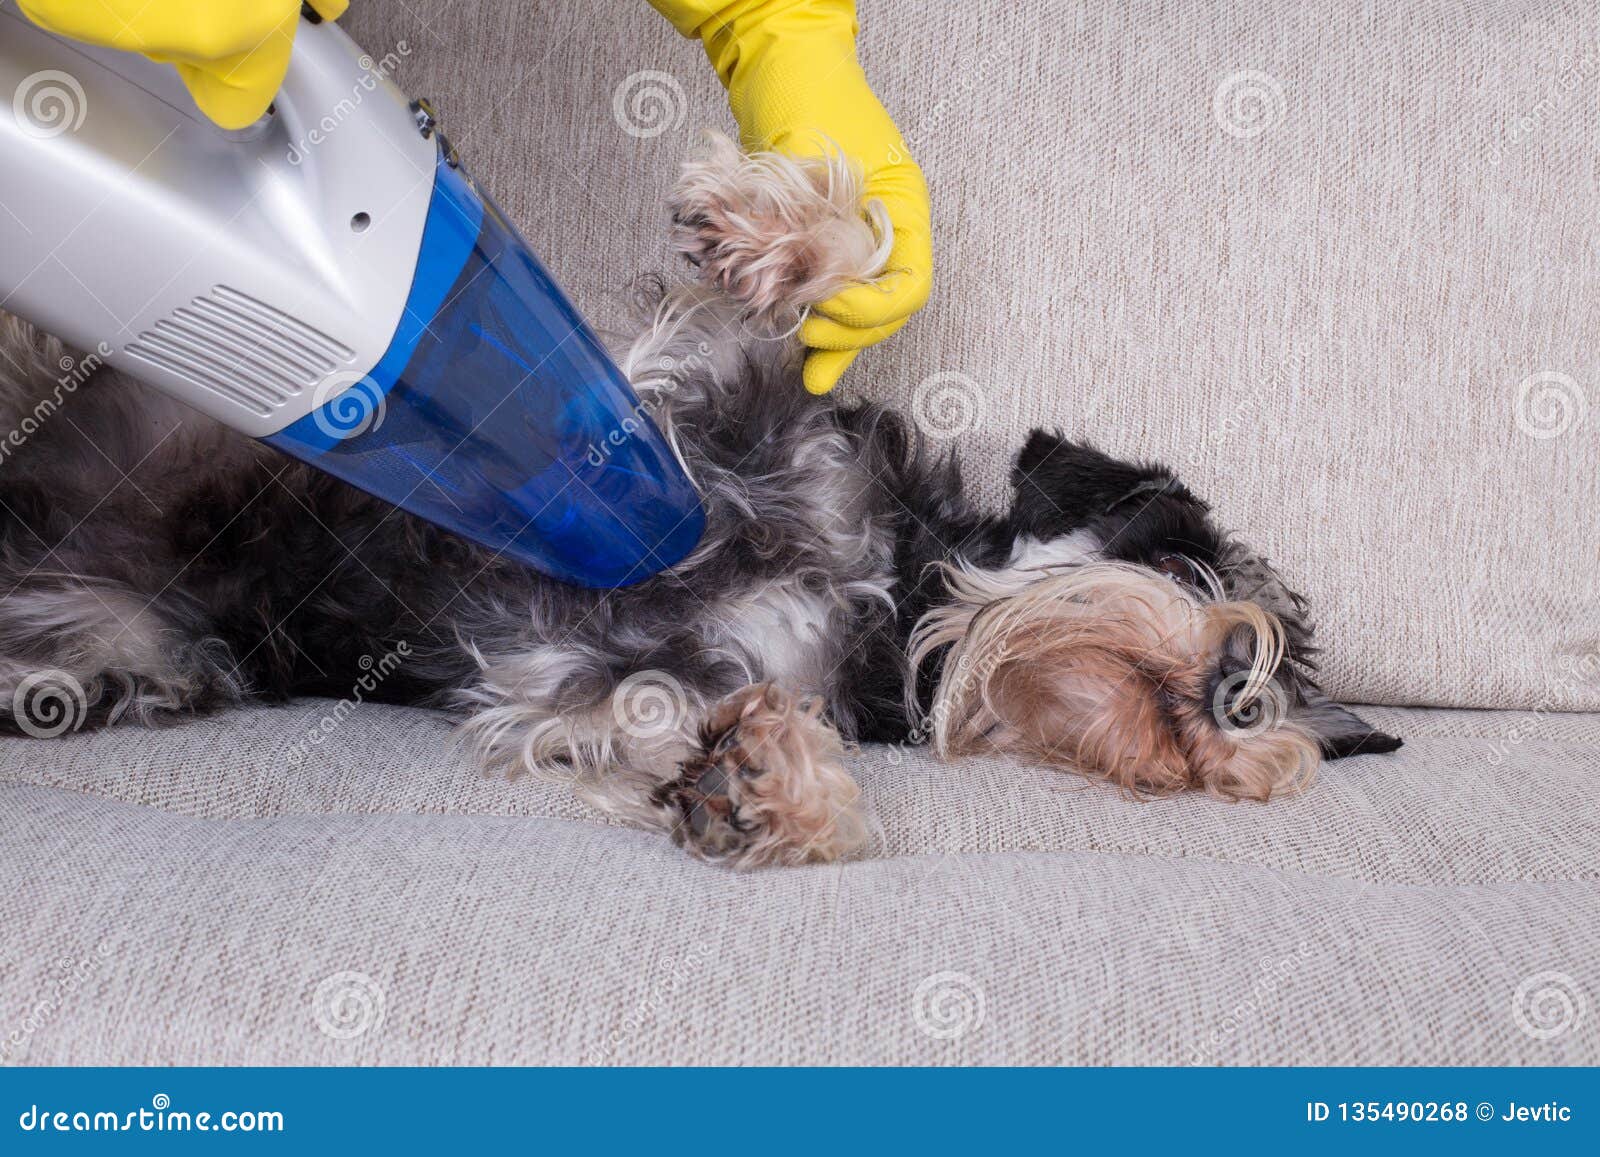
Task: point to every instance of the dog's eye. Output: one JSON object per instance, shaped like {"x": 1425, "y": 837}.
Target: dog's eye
{"x": 1178, "y": 567}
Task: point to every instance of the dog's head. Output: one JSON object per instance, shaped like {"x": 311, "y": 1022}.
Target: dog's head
{"x": 1130, "y": 637}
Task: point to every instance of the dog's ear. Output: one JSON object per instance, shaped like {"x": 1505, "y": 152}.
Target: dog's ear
{"x": 1088, "y": 480}
{"x": 1041, "y": 444}
{"x": 1062, "y": 485}
{"x": 1044, "y": 503}
{"x": 1340, "y": 732}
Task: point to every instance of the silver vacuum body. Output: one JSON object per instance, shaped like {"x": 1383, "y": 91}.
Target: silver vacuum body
{"x": 242, "y": 272}
{"x": 329, "y": 280}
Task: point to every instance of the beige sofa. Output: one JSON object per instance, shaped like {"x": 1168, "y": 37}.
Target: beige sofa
{"x": 1337, "y": 265}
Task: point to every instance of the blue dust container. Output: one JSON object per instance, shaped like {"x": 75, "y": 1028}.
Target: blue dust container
{"x": 497, "y": 414}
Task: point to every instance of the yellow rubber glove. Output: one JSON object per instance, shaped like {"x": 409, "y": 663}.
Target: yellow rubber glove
{"x": 794, "y": 84}
{"x": 232, "y": 54}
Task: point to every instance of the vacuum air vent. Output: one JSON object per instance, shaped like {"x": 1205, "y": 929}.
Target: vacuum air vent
{"x": 241, "y": 349}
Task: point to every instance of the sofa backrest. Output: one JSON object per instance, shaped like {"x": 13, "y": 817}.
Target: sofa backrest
{"x": 1337, "y": 264}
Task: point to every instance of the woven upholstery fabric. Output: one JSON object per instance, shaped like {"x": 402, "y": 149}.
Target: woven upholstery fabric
{"x": 1309, "y": 254}
{"x": 1326, "y": 325}
{"x": 200, "y": 892}
{"x": 1436, "y": 813}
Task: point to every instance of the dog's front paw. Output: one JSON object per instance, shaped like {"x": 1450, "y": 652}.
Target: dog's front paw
{"x": 767, "y": 786}
{"x": 774, "y": 231}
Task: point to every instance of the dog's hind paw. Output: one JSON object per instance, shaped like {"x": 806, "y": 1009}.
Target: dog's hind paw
{"x": 767, "y": 785}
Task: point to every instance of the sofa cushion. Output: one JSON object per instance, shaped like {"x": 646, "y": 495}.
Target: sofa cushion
{"x": 209, "y": 901}
{"x": 1316, "y": 257}
{"x": 1473, "y": 797}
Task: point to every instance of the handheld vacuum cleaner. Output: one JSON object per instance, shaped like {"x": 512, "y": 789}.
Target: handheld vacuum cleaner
{"x": 330, "y": 281}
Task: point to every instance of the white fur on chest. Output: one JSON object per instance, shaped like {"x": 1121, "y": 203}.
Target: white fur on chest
{"x": 781, "y": 633}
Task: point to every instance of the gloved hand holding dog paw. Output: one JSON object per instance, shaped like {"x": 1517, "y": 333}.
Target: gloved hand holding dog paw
{"x": 789, "y": 66}
{"x": 794, "y": 85}
{"x": 232, "y": 54}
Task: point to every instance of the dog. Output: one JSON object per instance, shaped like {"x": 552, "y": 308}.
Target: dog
{"x": 155, "y": 565}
